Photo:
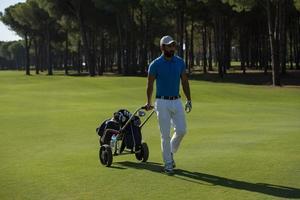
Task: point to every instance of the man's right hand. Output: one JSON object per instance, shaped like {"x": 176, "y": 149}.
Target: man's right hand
{"x": 148, "y": 107}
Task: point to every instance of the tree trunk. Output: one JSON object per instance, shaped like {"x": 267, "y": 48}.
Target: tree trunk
{"x": 110, "y": 56}
{"x": 66, "y": 56}
{"x": 219, "y": 43}
{"x": 210, "y": 67}
{"x": 36, "y": 55}
{"x": 283, "y": 38}
{"x": 181, "y": 12}
{"x": 40, "y": 54}
{"x": 266, "y": 54}
{"x": 133, "y": 42}
{"x": 142, "y": 58}
{"x": 273, "y": 35}
{"x": 297, "y": 43}
{"x": 48, "y": 51}
{"x": 102, "y": 57}
{"x": 204, "y": 45}
{"x": 191, "y": 52}
{"x": 187, "y": 48}
{"x": 242, "y": 49}
{"x": 145, "y": 49}
{"x": 89, "y": 57}
{"x": 227, "y": 43}
{"x": 120, "y": 46}
{"x": 296, "y": 50}
{"x": 126, "y": 53}
{"x": 119, "y": 57}
{"x": 291, "y": 48}
{"x": 93, "y": 51}
{"x": 27, "y": 56}
{"x": 79, "y": 61}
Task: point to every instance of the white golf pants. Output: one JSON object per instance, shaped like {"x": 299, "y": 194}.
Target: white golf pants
{"x": 170, "y": 112}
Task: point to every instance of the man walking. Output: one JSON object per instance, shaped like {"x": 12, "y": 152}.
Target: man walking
{"x": 168, "y": 70}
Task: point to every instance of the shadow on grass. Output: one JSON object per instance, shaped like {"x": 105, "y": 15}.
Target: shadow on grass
{"x": 212, "y": 180}
{"x": 251, "y": 78}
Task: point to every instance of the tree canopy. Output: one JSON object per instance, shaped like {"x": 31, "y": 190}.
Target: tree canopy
{"x": 120, "y": 36}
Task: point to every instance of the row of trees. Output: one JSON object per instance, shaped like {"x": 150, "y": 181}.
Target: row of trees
{"x": 101, "y": 35}
{"x": 12, "y": 55}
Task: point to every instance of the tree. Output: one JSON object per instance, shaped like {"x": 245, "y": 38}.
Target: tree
{"x": 15, "y": 18}
{"x": 83, "y": 13}
{"x": 297, "y": 4}
{"x": 17, "y": 52}
{"x": 275, "y": 10}
{"x": 43, "y": 29}
{"x": 222, "y": 17}
{"x": 123, "y": 35}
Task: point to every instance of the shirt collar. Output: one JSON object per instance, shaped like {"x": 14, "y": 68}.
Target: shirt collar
{"x": 163, "y": 58}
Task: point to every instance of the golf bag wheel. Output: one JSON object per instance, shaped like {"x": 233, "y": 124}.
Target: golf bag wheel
{"x": 105, "y": 155}
{"x": 142, "y": 154}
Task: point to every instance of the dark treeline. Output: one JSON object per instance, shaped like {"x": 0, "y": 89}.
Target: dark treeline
{"x": 122, "y": 36}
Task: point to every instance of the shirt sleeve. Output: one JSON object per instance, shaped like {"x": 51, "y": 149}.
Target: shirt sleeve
{"x": 152, "y": 70}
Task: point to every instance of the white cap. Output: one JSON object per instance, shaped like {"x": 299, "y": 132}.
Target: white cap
{"x": 166, "y": 40}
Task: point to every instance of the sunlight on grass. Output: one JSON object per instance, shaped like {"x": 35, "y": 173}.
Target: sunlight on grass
{"x": 242, "y": 141}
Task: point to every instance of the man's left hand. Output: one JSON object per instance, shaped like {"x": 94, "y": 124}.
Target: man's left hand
{"x": 188, "y": 106}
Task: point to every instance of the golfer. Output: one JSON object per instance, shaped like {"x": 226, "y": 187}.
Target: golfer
{"x": 168, "y": 70}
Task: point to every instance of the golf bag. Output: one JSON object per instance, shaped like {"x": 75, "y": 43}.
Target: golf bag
{"x": 122, "y": 131}
{"x": 131, "y": 135}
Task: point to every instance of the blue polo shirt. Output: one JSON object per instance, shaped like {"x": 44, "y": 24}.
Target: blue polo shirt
{"x": 167, "y": 74}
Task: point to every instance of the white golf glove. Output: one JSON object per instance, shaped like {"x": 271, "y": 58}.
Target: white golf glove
{"x": 188, "y": 106}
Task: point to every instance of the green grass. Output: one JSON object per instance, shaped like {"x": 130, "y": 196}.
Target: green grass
{"x": 243, "y": 141}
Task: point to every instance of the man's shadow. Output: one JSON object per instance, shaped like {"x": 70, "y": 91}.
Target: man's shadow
{"x": 207, "y": 179}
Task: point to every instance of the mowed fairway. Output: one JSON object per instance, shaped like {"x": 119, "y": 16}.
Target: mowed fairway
{"x": 243, "y": 141}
